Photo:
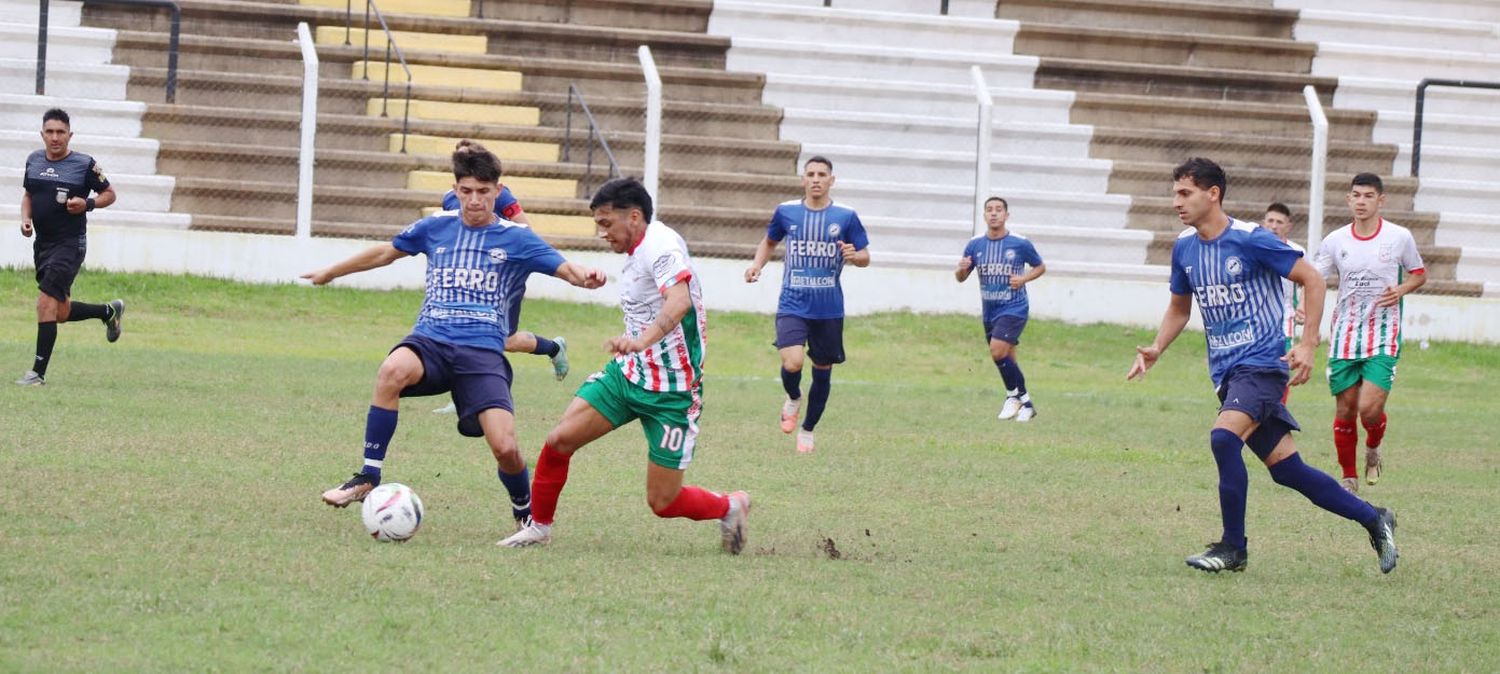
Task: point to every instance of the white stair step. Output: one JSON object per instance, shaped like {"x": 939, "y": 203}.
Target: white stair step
{"x": 136, "y": 192}
{"x": 64, "y": 45}
{"x": 1459, "y": 229}
{"x": 1472, "y": 10}
{"x": 1464, "y": 196}
{"x": 1481, "y": 265}
{"x": 1025, "y": 172}
{"x": 955, "y": 101}
{"x": 1360, "y": 27}
{"x": 114, "y": 155}
{"x": 1400, "y": 95}
{"x": 1340, "y": 58}
{"x": 955, "y": 202}
{"x": 844, "y": 24}
{"x": 984, "y": 9}
{"x": 1469, "y": 130}
{"x": 90, "y": 116}
{"x": 878, "y": 62}
{"x": 60, "y": 14}
{"x": 119, "y": 217}
{"x": 817, "y": 128}
{"x": 948, "y": 237}
{"x": 67, "y": 80}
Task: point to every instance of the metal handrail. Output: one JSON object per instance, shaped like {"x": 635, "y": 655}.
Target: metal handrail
{"x": 176, "y": 30}
{"x": 390, "y": 44}
{"x": 1416, "y": 127}
{"x": 942, "y": 6}
{"x": 596, "y": 133}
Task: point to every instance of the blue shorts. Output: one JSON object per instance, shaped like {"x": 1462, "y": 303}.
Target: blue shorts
{"x": 479, "y": 379}
{"x": 824, "y": 337}
{"x": 1006, "y": 328}
{"x": 1258, "y": 393}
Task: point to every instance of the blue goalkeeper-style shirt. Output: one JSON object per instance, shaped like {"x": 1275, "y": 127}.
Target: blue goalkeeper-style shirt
{"x": 471, "y": 274}
{"x": 1236, "y": 280}
{"x": 810, "y": 286}
{"x": 996, "y": 260}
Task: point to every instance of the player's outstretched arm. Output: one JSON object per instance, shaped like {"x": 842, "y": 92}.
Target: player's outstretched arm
{"x": 580, "y": 276}
{"x": 762, "y": 255}
{"x": 1179, "y": 310}
{"x": 378, "y": 255}
{"x": 677, "y": 305}
{"x": 1314, "y": 289}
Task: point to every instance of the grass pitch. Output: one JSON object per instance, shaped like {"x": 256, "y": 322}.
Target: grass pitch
{"x": 159, "y": 509}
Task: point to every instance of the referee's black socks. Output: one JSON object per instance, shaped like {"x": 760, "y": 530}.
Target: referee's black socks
{"x": 46, "y": 338}
{"x": 82, "y": 312}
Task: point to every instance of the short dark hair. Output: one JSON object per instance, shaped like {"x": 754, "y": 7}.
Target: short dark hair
{"x": 623, "y": 193}
{"x": 481, "y": 165}
{"x": 1002, "y": 201}
{"x": 1368, "y": 180}
{"x": 468, "y": 145}
{"x": 1204, "y": 173}
{"x": 818, "y": 159}
{"x": 58, "y": 114}
{"x": 1278, "y": 207}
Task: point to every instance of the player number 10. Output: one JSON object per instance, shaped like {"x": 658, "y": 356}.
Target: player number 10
{"x": 671, "y": 438}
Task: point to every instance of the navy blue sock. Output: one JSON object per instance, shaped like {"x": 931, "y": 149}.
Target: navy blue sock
{"x": 1322, "y": 490}
{"x": 792, "y": 382}
{"x": 519, "y": 486}
{"x": 817, "y": 397}
{"x": 380, "y": 425}
{"x": 1015, "y": 381}
{"x": 544, "y": 346}
{"x": 46, "y": 339}
{"x": 1234, "y": 484}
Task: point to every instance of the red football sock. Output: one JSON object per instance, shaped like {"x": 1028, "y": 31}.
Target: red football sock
{"x": 1375, "y": 432}
{"x": 694, "y": 503}
{"x": 1345, "y": 437}
{"x": 551, "y": 475}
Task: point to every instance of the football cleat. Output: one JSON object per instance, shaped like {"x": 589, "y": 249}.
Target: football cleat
{"x": 1372, "y": 465}
{"x": 560, "y": 361}
{"x": 31, "y": 378}
{"x": 1383, "y": 539}
{"x": 533, "y": 534}
{"x": 1218, "y": 557}
{"x": 450, "y": 408}
{"x": 804, "y": 442}
{"x": 1027, "y": 413}
{"x": 1010, "y": 408}
{"x": 789, "y": 412}
{"x": 353, "y": 490}
{"x": 112, "y": 326}
{"x": 732, "y": 525}
{"x": 1350, "y": 484}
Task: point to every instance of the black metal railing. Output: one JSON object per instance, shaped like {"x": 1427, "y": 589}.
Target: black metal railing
{"x": 1416, "y": 127}
{"x": 596, "y": 137}
{"x": 942, "y": 6}
{"x": 176, "y": 30}
{"x": 390, "y": 45}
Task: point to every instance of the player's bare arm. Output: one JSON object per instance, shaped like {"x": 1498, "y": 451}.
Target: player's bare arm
{"x": 965, "y": 267}
{"x": 1036, "y": 272}
{"x": 1172, "y": 323}
{"x": 26, "y": 227}
{"x": 677, "y": 305}
{"x": 858, "y": 258}
{"x": 762, "y": 255}
{"x": 580, "y": 276}
{"x": 378, "y": 255}
{"x": 1300, "y": 358}
{"x": 1392, "y": 296}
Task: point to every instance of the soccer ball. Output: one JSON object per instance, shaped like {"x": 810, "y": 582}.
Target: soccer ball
{"x": 392, "y": 512}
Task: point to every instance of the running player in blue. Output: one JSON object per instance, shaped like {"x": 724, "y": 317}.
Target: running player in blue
{"x": 475, "y": 259}
{"x": 1234, "y": 270}
{"x": 821, "y": 237}
{"x": 1001, "y": 259}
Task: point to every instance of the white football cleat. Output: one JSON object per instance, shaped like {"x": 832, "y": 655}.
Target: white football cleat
{"x": 804, "y": 442}
{"x": 1010, "y": 408}
{"x": 1027, "y": 413}
{"x": 533, "y": 534}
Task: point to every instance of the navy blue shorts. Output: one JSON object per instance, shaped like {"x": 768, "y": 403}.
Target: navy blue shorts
{"x": 1258, "y": 392}
{"x": 1006, "y": 329}
{"x": 57, "y": 265}
{"x": 479, "y": 379}
{"x": 824, "y": 337}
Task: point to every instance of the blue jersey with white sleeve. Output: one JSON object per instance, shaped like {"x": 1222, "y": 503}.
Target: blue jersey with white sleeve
{"x": 471, "y": 274}
{"x": 810, "y": 286}
{"x": 1236, "y": 279}
{"x": 996, "y": 260}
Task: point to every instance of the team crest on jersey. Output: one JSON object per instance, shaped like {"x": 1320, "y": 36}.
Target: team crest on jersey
{"x": 1010, "y": 254}
{"x": 497, "y": 255}
{"x": 833, "y": 230}
{"x": 48, "y": 173}
{"x": 1233, "y": 265}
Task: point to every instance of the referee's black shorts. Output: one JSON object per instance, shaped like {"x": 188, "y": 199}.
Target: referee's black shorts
{"x": 57, "y": 264}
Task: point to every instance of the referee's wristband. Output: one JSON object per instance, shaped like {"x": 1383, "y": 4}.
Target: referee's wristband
{"x": 88, "y": 204}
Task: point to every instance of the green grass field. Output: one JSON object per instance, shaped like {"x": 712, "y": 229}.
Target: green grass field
{"x": 159, "y": 509}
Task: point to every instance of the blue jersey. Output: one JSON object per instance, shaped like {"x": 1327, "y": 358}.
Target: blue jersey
{"x": 471, "y": 274}
{"x": 1236, "y": 279}
{"x": 810, "y": 287}
{"x": 506, "y": 205}
{"x": 996, "y": 260}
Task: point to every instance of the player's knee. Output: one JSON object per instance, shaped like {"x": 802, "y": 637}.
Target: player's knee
{"x": 507, "y": 454}
{"x": 1370, "y": 414}
{"x": 999, "y": 350}
{"x": 392, "y": 376}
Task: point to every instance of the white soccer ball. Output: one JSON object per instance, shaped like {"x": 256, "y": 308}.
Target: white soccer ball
{"x": 392, "y": 512}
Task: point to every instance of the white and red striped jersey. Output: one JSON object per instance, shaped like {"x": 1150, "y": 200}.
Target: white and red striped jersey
{"x": 657, "y": 263}
{"x": 1291, "y": 300}
{"x": 1366, "y": 267}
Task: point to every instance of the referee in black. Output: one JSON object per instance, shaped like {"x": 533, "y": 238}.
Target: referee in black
{"x": 58, "y": 182}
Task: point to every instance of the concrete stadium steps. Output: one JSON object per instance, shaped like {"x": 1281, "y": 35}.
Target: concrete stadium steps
{"x": 1059, "y": 242}
{"x": 113, "y": 154}
{"x": 65, "y": 80}
{"x": 833, "y": 127}
{"x": 538, "y": 188}
{"x": 981, "y": 9}
{"x": 433, "y": 7}
{"x": 1163, "y": 16}
{"x": 1336, "y": 59}
{"x": 1167, "y": 81}
{"x": 118, "y": 216}
{"x": 813, "y": 25}
{"x": 948, "y": 101}
{"x": 1422, "y": 32}
{"x": 1153, "y": 46}
{"x": 1014, "y": 172}
{"x": 68, "y": 44}
{"x": 477, "y": 113}
{"x": 1480, "y": 231}
{"x": 97, "y": 118}
{"x": 954, "y": 203}
{"x": 442, "y": 76}
{"x": 1164, "y": 115}
{"x": 685, "y": 16}
{"x": 151, "y": 193}
{"x": 1471, "y": 10}
{"x": 61, "y": 14}
{"x": 406, "y": 40}
{"x": 1234, "y": 150}
{"x": 878, "y": 62}
{"x": 1247, "y": 184}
